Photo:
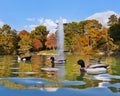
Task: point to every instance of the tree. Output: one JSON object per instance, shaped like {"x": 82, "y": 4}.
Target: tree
{"x": 92, "y": 27}
{"x": 8, "y": 39}
{"x": 40, "y": 33}
{"x": 51, "y": 41}
{"x": 2, "y": 37}
{"x": 25, "y": 41}
{"x": 114, "y": 32}
{"x": 105, "y": 42}
{"x": 89, "y": 28}
{"x": 80, "y": 44}
{"x": 112, "y": 20}
{"x": 37, "y": 44}
{"x": 70, "y": 29}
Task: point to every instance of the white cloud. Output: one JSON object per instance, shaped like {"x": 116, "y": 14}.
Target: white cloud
{"x": 41, "y": 20}
{"x": 1, "y": 23}
{"x": 64, "y": 20}
{"x": 50, "y": 24}
{"x": 30, "y": 27}
{"x": 102, "y": 17}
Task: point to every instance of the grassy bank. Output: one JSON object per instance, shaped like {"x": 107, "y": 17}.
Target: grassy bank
{"x": 47, "y": 52}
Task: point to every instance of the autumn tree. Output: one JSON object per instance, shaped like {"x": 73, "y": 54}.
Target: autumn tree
{"x": 104, "y": 42}
{"x": 40, "y": 33}
{"x": 25, "y": 41}
{"x": 70, "y": 29}
{"x": 37, "y": 44}
{"x": 80, "y": 44}
{"x": 87, "y": 28}
{"x": 51, "y": 41}
{"x": 8, "y": 39}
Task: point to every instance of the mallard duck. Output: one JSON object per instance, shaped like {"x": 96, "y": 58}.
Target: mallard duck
{"x": 93, "y": 68}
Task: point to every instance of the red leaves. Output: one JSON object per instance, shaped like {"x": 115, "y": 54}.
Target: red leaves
{"x": 51, "y": 41}
{"x": 37, "y": 44}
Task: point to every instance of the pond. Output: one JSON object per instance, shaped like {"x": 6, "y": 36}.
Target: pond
{"x": 28, "y": 78}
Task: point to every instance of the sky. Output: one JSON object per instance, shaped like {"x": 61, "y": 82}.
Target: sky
{"x": 27, "y": 14}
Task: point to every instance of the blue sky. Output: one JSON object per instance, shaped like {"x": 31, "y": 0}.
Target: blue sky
{"x": 26, "y": 14}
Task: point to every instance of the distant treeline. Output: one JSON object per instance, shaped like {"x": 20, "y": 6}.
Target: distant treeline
{"x": 84, "y": 36}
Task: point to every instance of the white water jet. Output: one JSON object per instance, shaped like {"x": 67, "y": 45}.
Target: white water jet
{"x": 60, "y": 40}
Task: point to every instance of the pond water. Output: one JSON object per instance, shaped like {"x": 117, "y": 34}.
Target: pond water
{"x": 28, "y": 79}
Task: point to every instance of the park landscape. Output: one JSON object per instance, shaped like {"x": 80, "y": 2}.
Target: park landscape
{"x": 43, "y": 63}
{"x": 28, "y": 76}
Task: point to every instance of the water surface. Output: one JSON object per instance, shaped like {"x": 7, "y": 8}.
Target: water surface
{"x": 27, "y": 78}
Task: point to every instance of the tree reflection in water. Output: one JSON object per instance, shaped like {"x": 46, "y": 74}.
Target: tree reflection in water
{"x": 9, "y": 67}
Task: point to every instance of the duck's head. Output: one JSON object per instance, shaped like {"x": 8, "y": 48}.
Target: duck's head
{"x": 81, "y": 63}
{"x": 52, "y": 58}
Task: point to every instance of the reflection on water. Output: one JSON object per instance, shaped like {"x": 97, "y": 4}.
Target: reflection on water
{"x": 61, "y": 71}
{"x": 28, "y": 77}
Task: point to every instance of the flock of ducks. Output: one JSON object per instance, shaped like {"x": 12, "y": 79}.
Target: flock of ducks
{"x": 97, "y": 68}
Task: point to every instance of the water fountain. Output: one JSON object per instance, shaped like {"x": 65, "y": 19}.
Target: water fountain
{"x": 60, "y": 41}
{"x": 60, "y": 48}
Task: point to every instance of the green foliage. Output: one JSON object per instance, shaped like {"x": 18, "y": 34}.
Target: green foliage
{"x": 114, "y": 32}
{"x": 76, "y": 37}
{"x": 86, "y": 36}
{"x": 40, "y": 33}
{"x": 112, "y": 20}
{"x": 25, "y": 42}
{"x": 7, "y": 39}
{"x": 80, "y": 37}
{"x": 70, "y": 30}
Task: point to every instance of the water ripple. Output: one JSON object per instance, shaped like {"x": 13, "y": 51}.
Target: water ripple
{"x": 40, "y": 81}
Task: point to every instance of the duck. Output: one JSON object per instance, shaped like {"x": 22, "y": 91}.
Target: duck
{"x": 24, "y": 58}
{"x": 95, "y": 60}
{"x": 52, "y": 62}
{"x": 93, "y": 68}
{"x": 59, "y": 61}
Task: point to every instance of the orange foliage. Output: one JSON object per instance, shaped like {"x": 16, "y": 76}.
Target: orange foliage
{"x": 86, "y": 39}
{"x": 23, "y": 32}
{"x": 37, "y": 44}
{"x": 51, "y": 41}
{"x": 99, "y": 35}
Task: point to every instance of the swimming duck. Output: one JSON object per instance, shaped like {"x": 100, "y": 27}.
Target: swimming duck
{"x": 93, "y": 68}
{"x": 95, "y": 60}
{"x": 59, "y": 61}
{"x": 52, "y": 61}
{"x": 24, "y": 58}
